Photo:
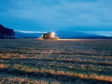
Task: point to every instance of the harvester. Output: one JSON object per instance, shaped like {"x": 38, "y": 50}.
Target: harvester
{"x": 49, "y": 36}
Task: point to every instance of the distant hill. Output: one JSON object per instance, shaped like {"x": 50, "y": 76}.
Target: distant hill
{"x": 27, "y": 35}
{"x": 63, "y": 35}
{"x": 78, "y": 35}
{"x": 72, "y": 34}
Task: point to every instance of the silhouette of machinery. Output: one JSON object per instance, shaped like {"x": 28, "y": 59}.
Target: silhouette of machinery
{"x": 49, "y": 35}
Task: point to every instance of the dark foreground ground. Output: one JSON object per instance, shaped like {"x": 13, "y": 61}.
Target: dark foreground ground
{"x": 55, "y": 62}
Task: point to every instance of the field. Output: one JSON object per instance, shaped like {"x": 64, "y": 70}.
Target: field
{"x": 80, "y": 61}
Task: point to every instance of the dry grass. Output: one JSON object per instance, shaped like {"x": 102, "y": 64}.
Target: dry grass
{"x": 66, "y": 62}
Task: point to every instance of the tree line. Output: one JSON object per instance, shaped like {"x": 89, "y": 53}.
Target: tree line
{"x": 6, "y": 33}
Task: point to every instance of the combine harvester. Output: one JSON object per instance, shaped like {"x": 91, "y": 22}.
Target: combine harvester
{"x": 48, "y": 36}
{"x": 52, "y": 36}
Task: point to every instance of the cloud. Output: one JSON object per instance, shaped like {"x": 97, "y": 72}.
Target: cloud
{"x": 61, "y": 14}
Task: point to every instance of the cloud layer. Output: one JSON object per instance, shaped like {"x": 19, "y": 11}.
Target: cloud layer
{"x": 52, "y": 15}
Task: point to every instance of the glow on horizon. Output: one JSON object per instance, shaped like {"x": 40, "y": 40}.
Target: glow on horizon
{"x": 30, "y": 31}
{"x": 102, "y": 33}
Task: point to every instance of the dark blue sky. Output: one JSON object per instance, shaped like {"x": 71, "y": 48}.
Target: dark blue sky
{"x": 94, "y": 16}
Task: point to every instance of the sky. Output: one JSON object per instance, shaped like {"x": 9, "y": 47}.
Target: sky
{"x": 90, "y": 16}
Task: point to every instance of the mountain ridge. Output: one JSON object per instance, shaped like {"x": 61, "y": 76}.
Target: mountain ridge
{"x": 62, "y": 35}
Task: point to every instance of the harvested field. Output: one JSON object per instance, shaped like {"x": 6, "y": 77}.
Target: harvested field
{"x": 78, "y": 61}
